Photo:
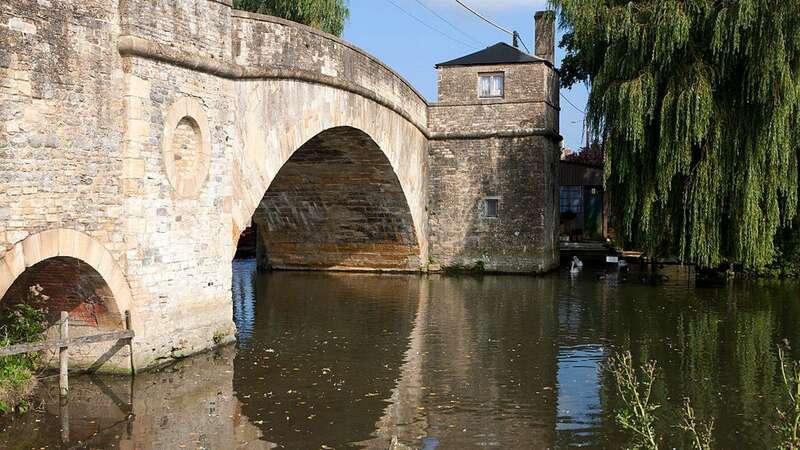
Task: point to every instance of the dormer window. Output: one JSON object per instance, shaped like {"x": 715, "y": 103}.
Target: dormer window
{"x": 491, "y": 85}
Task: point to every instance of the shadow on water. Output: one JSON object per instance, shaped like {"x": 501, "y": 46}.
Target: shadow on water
{"x": 351, "y": 360}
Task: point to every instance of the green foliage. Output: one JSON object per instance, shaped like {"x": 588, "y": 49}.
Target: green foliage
{"x": 16, "y": 380}
{"x": 701, "y": 433}
{"x": 698, "y": 105}
{"x": 327, "y": 15}
{"x": 219, "y": 336}
{"x": 20, "y": 323}
{"x": 637, "y": 414}
{"x": 788, "y": 426}
{"x": 786, "y": 263}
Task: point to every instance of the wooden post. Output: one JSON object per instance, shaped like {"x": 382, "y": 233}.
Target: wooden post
{"x": 63, "y": 355}
{"x": 64, "y": 413}
{"x": 130, "y": 341}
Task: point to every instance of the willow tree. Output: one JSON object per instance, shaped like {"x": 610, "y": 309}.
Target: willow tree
{"x": 327, "y": 15}
{"x": 698, "y": 104}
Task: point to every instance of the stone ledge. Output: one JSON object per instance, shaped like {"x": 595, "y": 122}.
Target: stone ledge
{"x": 526, "y": 132}
{"x": 492, "y": 103}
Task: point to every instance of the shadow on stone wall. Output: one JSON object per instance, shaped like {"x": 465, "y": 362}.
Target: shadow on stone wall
{"x": 337, "y": 204}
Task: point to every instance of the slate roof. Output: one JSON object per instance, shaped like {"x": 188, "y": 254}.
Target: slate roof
{"x": 500, "y": 53}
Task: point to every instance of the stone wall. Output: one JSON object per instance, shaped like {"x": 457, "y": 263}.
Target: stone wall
{"x": 503, "y": 149}
{"x": 61, "y": 161}
{"x": 252, "y": 103}
{"x": 140, "y": 136}
{"x": 515, "y": 171}
{"x": 337, "y": 204}
{"x": 60, "y": 121}
{"x": 68, "y": 284}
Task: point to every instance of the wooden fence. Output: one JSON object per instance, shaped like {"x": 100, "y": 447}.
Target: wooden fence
{"x": 65, "y": 342}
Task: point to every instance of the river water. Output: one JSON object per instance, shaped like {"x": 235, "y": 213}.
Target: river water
{"x": 334, "y": 360}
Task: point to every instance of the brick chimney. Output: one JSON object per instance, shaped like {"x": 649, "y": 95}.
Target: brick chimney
{"x": 545, "y": 35}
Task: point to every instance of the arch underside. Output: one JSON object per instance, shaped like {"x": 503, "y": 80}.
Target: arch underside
{"x": 337, "y": 204}
{"x": 77, "y": 275}
{"x": 66, "y": 284}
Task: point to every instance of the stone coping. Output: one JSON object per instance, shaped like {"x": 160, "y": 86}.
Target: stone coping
{"x": 136, "y": 46}
{"x": 525, "y": 132}
{"x": 493, "y": 102}
{"x": 239, "y": 14}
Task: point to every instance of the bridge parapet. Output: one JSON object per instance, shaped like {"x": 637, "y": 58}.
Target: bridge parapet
{"x": 264, "y": 41}
{"x": 208, "y": 35}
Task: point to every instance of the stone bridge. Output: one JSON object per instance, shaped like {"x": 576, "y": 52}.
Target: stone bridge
{"x": 139, "y": 138}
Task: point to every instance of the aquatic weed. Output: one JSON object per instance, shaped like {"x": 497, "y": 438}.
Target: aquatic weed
{"x": 637, "y": 414}
{"x": 700, "y": 432}
{"x": 788, "y": 426}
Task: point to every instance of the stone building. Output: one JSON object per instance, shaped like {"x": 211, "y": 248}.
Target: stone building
{"x": 139, "y": 138}
{"x": 493, "y": 200}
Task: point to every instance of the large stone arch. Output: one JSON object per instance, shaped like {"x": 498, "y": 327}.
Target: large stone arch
{"x": 337, "y": 204}
{"x": 45, "y": 245}
{"x": 275, "y": 118}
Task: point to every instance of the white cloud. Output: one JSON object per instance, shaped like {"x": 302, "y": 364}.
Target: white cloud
{"x": 492, "y": 5}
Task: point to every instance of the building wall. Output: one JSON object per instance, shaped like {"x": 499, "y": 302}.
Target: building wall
{"x": 503, "y": 148}
{"x": 60, "y": 121}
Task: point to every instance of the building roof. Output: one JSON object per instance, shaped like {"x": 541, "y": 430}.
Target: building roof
{"x": 573, "y": 173}
{"x": 500, "y": 53}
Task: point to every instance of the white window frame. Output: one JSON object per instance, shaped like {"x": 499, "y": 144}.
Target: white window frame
{"x": 495, "y": 90}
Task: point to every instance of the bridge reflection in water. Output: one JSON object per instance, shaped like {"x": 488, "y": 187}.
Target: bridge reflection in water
{"x": 335, "y": 360}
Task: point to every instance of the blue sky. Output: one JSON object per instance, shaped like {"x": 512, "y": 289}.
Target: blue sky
{"x": 413, "y": 48}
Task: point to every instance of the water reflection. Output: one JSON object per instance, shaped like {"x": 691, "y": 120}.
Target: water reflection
{"x": 243, "y": 296}
{"x": 351, "y": 360}
{"x": 189, "y": 405}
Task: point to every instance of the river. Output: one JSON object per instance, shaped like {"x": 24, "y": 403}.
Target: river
{"x": 345, "y": 360}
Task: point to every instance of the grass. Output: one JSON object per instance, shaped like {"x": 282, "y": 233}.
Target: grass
{"x": 20, "y": 323}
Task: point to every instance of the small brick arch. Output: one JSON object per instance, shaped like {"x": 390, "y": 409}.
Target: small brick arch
{"x": 67, "y": 243}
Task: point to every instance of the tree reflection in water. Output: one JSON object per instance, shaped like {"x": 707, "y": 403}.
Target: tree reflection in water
{"x": 445, "y": 362}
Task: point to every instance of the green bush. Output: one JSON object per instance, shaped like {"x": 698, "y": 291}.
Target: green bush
{"x": 20, "y": 323}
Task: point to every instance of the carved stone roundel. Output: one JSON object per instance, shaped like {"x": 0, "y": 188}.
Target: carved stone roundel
{"x": 187, "y": 147}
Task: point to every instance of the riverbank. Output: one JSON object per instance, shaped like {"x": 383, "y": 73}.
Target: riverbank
{"x": 21, "y": 323}
{"x": 17, "y": 385}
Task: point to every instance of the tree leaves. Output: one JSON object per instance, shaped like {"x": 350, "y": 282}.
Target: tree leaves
{"x": 327, "y": 15}
{"x": 698, "y": 105}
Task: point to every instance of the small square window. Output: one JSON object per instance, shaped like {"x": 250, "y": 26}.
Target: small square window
{"x": 491, "y": 207}
{"x": 491, "y": 85}
{"x": 571, "y": 199}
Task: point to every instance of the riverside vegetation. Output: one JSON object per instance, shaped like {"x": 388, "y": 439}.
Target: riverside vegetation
{"x": 21, "y": 323}
{"x": 696, "y": 104}
{"x": 636, "y": 413}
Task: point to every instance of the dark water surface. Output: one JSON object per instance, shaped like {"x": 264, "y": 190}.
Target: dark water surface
{"x": 350, "y": 360}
